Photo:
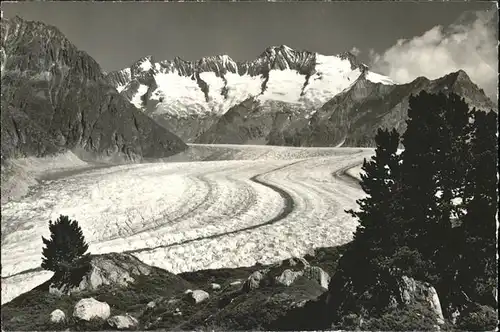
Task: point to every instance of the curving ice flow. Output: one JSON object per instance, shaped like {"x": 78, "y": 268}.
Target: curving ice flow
{"x": 184, "y": 216}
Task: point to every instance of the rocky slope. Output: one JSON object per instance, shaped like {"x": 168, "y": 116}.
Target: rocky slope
{"x": 284, "y": 97}
{"x": 55, "y": 97}
{"x": 351, "y": 118}
{"x": 121, "y": 292}
{"x": 246, "y": 298}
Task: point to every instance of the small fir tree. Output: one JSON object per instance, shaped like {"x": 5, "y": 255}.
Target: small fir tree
{"x": 65, "y": 252}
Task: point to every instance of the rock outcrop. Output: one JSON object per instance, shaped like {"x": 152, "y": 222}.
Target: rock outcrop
{"x": 288, "y": 277}
{"x": 55, "y": 97}
{"x": 215, "y": 286}
{"x": 113, "y": 269}
{"x": 123, "y": 322}
{"x": 253, "y": 281}
{"x": 412, "y": 291}
{"x": 198, "y": 296}
{"x": 89, "y": 308}
{"x": 317, "y": 274}
{"x": 380, "y": 299}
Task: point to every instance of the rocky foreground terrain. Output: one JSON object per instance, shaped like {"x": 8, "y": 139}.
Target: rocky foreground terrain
{"x": 120, "y": 292}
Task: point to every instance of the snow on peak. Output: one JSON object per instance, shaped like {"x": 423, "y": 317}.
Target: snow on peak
{"x": 214, "y": 84}
{"x": 145, "y": 64}
{"x": 377, "y": 78}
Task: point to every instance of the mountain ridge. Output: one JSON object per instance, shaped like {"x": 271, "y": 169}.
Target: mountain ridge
{"x": 291, "y": 93}
{"x": 218, "y": 82}
{"x": 55, "y": 97}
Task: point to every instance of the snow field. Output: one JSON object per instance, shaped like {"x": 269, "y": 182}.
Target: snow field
{"x": 136, "y": 99}
{"x": 283, "y": 85}
{"x": 181, "y": 95}
{"x": 333, "y": 75}
{"x": 242, "y": 87}
{"x": 377, "y": 78}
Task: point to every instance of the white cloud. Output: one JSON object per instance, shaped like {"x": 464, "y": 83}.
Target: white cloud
{"x": 355, "y": 51}
{"x": 469, "y": 44}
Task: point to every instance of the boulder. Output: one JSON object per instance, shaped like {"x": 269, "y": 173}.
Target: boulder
{"x": 89, "y": 308}
{"x": 215, "y": 286}
{"x": 123, "y": 322}
{"x": 151, "y": 304}
{"x": 58, "y": 291}
{"x": 295, "y": 262}
{"x": 198, "y": 296}
{"x": 57, "y": 316}
{"x": 317, "y": 274}
{"x": 235, "y": 283}
{"x": 253, "y": 281}
{"x": 412, "y": 290}
{"x": 288, "y": 277}
{"x": 112, "y": 269}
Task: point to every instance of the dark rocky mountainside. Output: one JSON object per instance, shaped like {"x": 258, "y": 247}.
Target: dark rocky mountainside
{"x": 350, "y": 119}
{"x": 55, "y": 97}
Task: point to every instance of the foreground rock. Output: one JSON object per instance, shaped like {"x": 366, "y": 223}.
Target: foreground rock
{"x": 170, "y": 297}
{"x": 113, "y": 269}
{"x": 288, "y": 277}
{"x": 123, "y": 322}
{"x": 57, "y": 316}
{"x": 415, "y": 291}
{"x": 286, "y": 273}
{"x": 317, "y": 274}
{"x": 253, "y": 281}
{"x": 198, "y": 296}
{"x": 90, "y": 308}
{"x": 383, "y": 301}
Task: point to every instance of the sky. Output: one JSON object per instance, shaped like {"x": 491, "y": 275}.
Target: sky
{"x": 403, "y": 40}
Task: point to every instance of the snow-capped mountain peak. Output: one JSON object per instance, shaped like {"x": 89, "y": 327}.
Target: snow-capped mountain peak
{"x": 214, "y": 84}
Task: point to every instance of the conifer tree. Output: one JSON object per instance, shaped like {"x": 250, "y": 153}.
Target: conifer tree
{"x": 433, "y": 173}
{"x": 363, "y": 278}
{"x": 419, "y": 175}
{"x": 65, "y": 252}
{"x": 479, "y": 263}
{"x": 379, "y": 182}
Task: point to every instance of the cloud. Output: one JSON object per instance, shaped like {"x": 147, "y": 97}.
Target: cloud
{"x": 469, "y": 44}
{"x": 355, "y": 51}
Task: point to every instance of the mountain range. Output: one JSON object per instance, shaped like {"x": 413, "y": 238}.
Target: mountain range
{"x": 284, "y": 97}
